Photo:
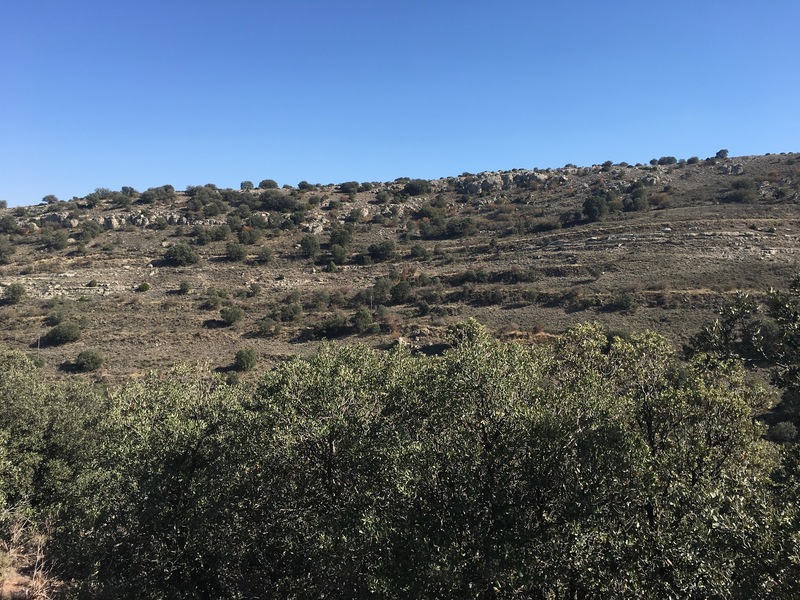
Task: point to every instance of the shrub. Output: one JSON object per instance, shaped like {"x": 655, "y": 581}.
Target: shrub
{"x": 595, "y": 208}
{"x": 382, "y": 251}
{"x": 783, "y": 432}
{"x": 309, "y": 246}
{"x": 14, "y": 293}
{"x": 400, "y": 292}
{"x": 692, "y": 160}
{"x": 92, "y": 283}
{"x": 143, "y": 287}
{"x": 184, "y": 288}
{"x": 362, "y": 319}
{"x": 624, "y": 301}
{"x": 667, "y": 160}
{"x": 342, "y": 236}
{"x": 56, "y": 240}
{"x": 420, "y": 251}
{"x": 267, "y": 327}
{"x": 334, "y": 326}
{"x": 246, "y": 185}
{"x": 416, "y": 187}
{"x": 181, "y": 255}
{"x": 264, "y": 255}
{"x": 63, "y": 333}
{"x": 6, "y": 250}
{"x": 249, "y": 236}
{"x": 460, "y": 227}
{"x": 290, "y": 312}
{"x": 268, "y": 184}
{"x": 8, "y": 224}
{"x": 742, "y": 196}
{"x": 89, "y": 360}
{"x": 338, "y": 254}
{"x": 245, "y": 360}
{"x": 235, "y": 252}
{"x": 721, "y": 154}
{"x": 231, "y": 315}
{"x": 157, "y": 194}
{"x": 349, "y": 187}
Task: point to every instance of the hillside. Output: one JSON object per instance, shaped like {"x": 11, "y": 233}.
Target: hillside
{"x": 525, "y": 252}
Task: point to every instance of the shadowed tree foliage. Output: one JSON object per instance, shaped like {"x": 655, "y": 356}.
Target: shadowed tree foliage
{"x": 586, "y": 468}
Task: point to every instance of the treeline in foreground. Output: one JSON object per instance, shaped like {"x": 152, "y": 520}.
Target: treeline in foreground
{"x": 580, "y": 469}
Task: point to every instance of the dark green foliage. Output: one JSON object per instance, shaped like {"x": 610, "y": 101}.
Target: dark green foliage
{"x": 362, "y": 320}
{"x": 184, "y": 288}
{"x": 265, "y": 255}
{"x": 624, "y": 301}
{"x": 692, "y": 160}
{"x": 268, "y": 184}
{"x": 349, "y": 187}
{"x": 50, "y": 199}
{"x": 6, "y": 250}
{"x": 667, "y": 160}
{"x": 722, "y": 154}
{"x": 595, "y": 208}
{"x": 740, "y": 196}
{"x": 419, "y": 251}
{"x": 291, "y": 312}
{"x": 278, "y": 201}
{"x": 331, "y": 327}
{"x": 338, "y": 254}
{"x": 63, "y": 333}
{"x": 143, "y": 287}
{"x": 249, "y": 236}
{"x": 745, "y": 184}
{"x": 181, "y": 255}
{"x": 342, "y": 236}
{"x": 584, "y": 469}
{"x": 460, "y": 227}
{"x": 235, "y": 252}
{"x": 231, "y": 315}
{"x": 309, "y": 246}
{"x": 400, "y": 292}
{"x": 382, "y": 251}
{"x": 89, "y": 360}
{"x": 55, "y": 239}
{"x": 638, "y": 199}
{"x": 416, "y": 187}
{"x": 267, "y": 327}
{"x": 164, "y": 193}
{"x": 247, "y": 185}
{"x": 8, "y": 224}
{"x": 13, "y": 293}
{"x": 245, "y": 360}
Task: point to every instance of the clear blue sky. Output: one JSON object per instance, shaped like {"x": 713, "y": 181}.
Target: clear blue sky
{"x": 114, "y": 92}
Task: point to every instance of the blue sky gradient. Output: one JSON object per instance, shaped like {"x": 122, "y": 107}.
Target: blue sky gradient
{"x": 106, "y": 94}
